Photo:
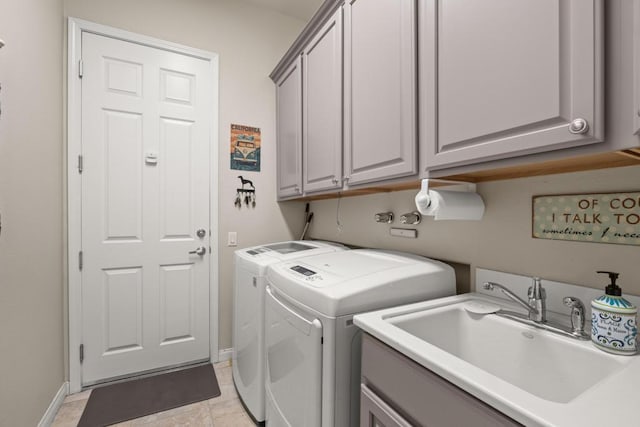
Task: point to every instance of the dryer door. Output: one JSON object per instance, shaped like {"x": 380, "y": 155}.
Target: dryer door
{"x": 294, "y": 365}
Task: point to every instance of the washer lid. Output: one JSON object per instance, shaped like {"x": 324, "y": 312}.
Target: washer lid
{"x": 353, "y": 281}
{"x": 258, "y": 257}
{"x": 282, "y": 248}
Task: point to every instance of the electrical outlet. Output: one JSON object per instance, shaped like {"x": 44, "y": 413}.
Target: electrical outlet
{"x": 232, "y": 238}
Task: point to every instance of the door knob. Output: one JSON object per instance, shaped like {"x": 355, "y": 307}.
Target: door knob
{"x": 200, "y": 251}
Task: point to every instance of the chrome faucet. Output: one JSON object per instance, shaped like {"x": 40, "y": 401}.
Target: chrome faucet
{"x": 537, "y": 310}
{"x": 537, "y": 297}
{"x": 535, "y": 307}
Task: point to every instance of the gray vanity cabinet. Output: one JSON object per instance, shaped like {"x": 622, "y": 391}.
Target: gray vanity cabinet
{"x": 322, "y": 108}
{"x": 289, "y": 131}
{"x": 500, "y": 78}
{"x": 396, "y": 391}
{"x": 380, "y": 90}
{"x": 374, "y": 412}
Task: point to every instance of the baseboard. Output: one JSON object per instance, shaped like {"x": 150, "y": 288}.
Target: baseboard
{"x": 54, "y": 406}
{"x": 225, "y": 354}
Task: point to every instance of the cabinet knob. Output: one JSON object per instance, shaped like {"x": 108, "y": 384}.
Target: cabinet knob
{"x": 578, "y": 126}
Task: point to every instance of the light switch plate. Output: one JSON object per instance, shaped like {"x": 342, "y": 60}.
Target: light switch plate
{"x": 232, "y": 238}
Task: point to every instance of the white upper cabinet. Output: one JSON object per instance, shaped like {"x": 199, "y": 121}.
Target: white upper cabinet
{"x": 380, "y": 90}
{"x": 504, "y": 78}
{"x": 322, "y": 108}
{"x": 289, "y": 130}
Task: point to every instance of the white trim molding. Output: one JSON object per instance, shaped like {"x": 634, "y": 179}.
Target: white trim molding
{"x": 74, "y": 148}
{"x": 225, "y": 354}
{"x": 54, "y": 406}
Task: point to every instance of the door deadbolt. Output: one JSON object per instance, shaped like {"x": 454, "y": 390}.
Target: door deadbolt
{"x": 201, "y": 232}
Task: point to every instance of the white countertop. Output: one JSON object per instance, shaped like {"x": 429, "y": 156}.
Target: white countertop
{"x": 612, "y": 400}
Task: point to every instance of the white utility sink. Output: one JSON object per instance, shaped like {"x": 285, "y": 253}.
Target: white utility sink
{"x": 551, "y": 367}
{"x": 536, "y": 377}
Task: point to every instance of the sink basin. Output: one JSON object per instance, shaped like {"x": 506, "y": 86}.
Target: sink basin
{"x": 551, "y": 367}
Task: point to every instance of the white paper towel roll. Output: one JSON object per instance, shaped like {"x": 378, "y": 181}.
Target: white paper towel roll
{"x": 459, "y": 205}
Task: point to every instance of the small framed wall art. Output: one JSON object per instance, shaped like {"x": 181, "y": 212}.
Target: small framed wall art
{"x": 245, "y": 148}
{"x": 596, "y": 218}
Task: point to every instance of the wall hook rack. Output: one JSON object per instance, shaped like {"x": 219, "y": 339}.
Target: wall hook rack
{"x": 246, "y": 195}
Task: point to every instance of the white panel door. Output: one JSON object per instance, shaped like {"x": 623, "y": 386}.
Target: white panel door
{"x": 145, "y": 193}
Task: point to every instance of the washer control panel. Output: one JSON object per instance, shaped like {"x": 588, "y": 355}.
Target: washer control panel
{"x": 302, "y": 270}
{"x": 308, "y": 275}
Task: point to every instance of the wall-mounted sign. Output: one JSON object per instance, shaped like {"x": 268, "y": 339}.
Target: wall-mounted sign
{"x": 245, "y": 148}
{"x": 598, "y": 218}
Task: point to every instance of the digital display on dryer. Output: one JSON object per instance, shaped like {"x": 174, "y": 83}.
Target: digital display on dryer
{"x": 302, "y": 270}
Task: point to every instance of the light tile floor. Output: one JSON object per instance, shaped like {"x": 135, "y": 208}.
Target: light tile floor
{"x": 225, "y": 410}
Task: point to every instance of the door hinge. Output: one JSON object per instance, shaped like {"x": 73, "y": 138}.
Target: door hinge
{"x": 80, "y": 260}
{"x": 80, "y": 163}
{"x": 81, "y": 353}
{"x": 80, "y": 69}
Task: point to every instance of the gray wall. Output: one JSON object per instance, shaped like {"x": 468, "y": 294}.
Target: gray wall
{"x": 250, "y": 41}
{"x": 31, "y": 248}
{"x": 502, "y": 239}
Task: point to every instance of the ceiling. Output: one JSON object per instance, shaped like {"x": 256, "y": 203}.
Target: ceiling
{"x": 301, "y": 9}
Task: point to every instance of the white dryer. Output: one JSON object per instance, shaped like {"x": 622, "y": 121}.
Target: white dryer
{"x": 313, "y": 347}
{"x": 248, "y": 313}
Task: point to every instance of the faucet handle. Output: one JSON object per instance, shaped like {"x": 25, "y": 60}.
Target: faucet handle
{"x": 573, "y": 302}
{"x": 385, "y": 217}
{"x": 577, "y": 315}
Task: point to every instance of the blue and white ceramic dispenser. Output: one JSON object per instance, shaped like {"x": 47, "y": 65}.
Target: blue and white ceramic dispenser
{"x": 613, "y": 320}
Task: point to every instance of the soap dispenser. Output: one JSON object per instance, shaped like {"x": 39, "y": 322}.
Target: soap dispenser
{"x": 613, "y": 320}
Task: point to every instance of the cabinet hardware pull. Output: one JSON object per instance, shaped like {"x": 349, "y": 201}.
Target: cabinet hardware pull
{"x": 578, "y": 126}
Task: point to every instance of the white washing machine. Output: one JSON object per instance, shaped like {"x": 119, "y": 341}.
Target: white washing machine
{"x": 313, "y": 347}
{"x": 248, "y": 313}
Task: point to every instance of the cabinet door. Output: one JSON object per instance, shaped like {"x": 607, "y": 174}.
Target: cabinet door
{"x": 322, "y": 108}
{"x": 636, "y": 66}
{"x": 380, "y": 90}
{"x": 501, "y": 78}
{"x": 374, "y": 412}
{"x": 289, "y": 131}
{"x": 419, "y": 394}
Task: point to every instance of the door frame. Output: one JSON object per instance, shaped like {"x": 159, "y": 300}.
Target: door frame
{"x": 74, "y": 201}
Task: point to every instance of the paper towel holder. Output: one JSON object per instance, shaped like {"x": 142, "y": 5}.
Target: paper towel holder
{"x": 423, "y": 200}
